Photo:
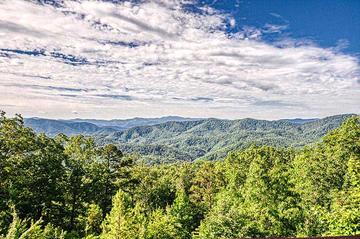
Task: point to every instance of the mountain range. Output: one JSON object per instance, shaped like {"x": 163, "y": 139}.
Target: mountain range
{"x": 174, "y": 138}
{"x": 71, "y": 127}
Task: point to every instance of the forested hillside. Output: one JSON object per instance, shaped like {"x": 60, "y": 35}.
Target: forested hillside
{"x": 171, "y": 139}
{"x": 92, "y": 126}
{"x": 214, "y": 138}
{"x": 67, "y": 187}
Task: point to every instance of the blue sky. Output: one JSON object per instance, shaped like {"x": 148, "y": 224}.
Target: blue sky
{"x": 324, "y": 22}
{"x": 227, "y": 59}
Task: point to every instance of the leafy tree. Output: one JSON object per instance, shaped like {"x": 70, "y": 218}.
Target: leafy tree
{"x": 22, "y": 229}
{"x": 263, "y": 205}
{"x": 161, "y": 226}
{"x": 32, "y": 171}
{"x": 156, "y": 187}
{"x": 81, "y": 155}
{"x": 116, "y": 173}
{"x": 225, "y": 220}
{"x": 320, "y": 174}
{"x": 124, "y": 221}
{"x": 206, "y": 183}
{"x": 93, "y": 220}
{"x": 344, "y": 216}
{"x": 183, "y": 215}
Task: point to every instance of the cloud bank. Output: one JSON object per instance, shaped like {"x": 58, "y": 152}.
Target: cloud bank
{"x": 115, "y": 60}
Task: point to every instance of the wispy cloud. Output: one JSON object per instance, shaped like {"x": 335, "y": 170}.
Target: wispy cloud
{"x": 152, "y": 58}
{"x": 272, "y": 28}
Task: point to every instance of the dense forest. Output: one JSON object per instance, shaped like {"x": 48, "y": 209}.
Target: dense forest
{"x": 171, "y": 139}
{"x": 68, "y": 187}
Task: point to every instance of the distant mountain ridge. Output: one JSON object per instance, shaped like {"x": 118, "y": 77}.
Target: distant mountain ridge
{"x": 214, "y": 138}
{"x": 122, "y": 124}
{"x": 94, "y": 126}
{"x": 300, "y": 121}
{"x": 52, "y": 127}
{"x": 177, "y": 138}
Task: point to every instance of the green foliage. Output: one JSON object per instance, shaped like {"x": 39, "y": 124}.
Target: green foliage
{"x": 69, "y": 187}
{"x": 213, "y": 138}
{"x": 125, "y": 220}
{"x": 93, "y": 220}
{"x": 208, "y": 180}
{"x": 29, "y": 162}
{"x": 344, "y": 216}
{"x": 169, "y": 141}
{"x": 22, "y": 229}
{"x": 56, "y": 179}
{"x": 322, "y": 176}
{"x": 225, "y": 219}
{"x": 161, "y": 226}
{"x": 259, "y": 201}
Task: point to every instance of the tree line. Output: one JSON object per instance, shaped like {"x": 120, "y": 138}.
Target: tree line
{"x": 69, "y": 187}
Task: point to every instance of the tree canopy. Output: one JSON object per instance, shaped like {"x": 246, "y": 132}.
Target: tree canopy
{"x": 70, "y": 187}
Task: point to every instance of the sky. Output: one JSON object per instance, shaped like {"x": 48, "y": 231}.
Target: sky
{"x": 225, "y": 59}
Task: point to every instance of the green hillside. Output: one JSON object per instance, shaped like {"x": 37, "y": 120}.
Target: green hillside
{"x": 214, "y": 138}
{"x": 171, "y": 139}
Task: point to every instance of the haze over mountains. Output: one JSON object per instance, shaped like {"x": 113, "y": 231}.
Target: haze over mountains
{"x": 175, "y": 138}
{"x": 94, "y": 126}
{"x": 69, "y": 127}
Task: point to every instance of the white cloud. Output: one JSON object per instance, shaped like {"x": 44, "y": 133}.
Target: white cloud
{"x": 109, "y": 60}
{"x": 271, "y": 28}
{"x": 232, "y": 22}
